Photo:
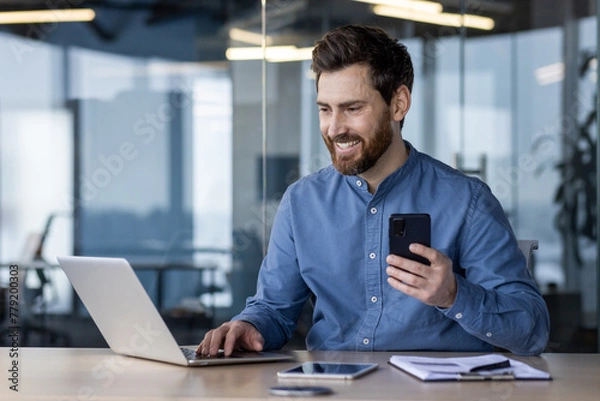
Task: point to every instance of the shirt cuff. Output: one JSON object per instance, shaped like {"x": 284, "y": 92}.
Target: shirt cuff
{"x": 265, "y": 328}
{"x": 469, "y": 297}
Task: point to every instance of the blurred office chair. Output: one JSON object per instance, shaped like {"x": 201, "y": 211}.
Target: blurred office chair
{"x": 527, "y": 247}
{"x": 33, "y": 315}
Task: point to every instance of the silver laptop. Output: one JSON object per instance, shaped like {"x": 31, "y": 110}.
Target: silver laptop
{"x": 129, "y": 321}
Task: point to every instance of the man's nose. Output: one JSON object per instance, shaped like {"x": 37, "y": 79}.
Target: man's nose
{"x": 337, "y": 124}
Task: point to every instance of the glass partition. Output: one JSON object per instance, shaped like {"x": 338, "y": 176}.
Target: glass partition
{"x": 169, "y": 137}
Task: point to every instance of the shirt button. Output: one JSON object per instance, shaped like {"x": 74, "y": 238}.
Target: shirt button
{"x": 373, "y": 299}
{"x": 366, "y": 341}
{"x": 488, "y": 334}
{"x": 372, "y": 255}
{"x": 359, "y": 183}
{"x": 373, "y": 210}
{"x": 458, "y": 315}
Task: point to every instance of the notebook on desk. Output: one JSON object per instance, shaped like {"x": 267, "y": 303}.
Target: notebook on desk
{"x": 129, "y": 321}
{"x": 477, "y": 368}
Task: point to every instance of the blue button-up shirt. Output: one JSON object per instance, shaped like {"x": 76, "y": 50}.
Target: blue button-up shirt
{"x": 330, "y": 239}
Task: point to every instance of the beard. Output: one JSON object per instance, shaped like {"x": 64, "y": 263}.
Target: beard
{"x": 371, "y": 151}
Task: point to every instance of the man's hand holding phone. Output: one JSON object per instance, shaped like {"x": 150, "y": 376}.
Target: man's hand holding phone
{"x": 433, "y": 285}
{"x": 415, "y": 268}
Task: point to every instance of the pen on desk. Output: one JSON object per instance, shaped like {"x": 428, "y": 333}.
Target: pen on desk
{"x": 491, "y": 366}
{"x": 505, "y": 375}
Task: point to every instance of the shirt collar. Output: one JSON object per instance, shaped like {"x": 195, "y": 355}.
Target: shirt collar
{"x": 399, "y": 174}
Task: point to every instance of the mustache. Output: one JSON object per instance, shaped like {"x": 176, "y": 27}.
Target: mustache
{"x": 345, "y": 138}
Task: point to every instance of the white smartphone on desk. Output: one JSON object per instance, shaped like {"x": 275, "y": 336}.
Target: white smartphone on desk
{"x": 328, "y": 370}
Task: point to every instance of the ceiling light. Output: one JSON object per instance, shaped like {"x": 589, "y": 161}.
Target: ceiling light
{"x": 446, "y": 19}
{"x": 47, "y": 16}
{"x": 415, "y": 5}
{"x": 252, "y": 38}
{"x": 275, "y": 54}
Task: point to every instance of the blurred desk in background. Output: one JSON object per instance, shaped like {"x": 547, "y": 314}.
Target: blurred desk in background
{"x": 162, "y": 268}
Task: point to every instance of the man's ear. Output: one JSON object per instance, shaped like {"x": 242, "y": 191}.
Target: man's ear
{"x": 400, "y": 103}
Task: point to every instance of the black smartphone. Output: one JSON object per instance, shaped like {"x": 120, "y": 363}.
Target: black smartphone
{"x": 406, "y": 229}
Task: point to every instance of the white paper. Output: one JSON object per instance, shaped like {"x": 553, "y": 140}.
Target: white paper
{"x": 459, "y": 368}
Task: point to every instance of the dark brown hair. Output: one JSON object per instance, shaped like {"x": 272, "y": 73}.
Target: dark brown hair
{"x": 387, "y": 58}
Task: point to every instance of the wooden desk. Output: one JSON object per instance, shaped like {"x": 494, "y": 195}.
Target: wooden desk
{"x": 98, "y": 374}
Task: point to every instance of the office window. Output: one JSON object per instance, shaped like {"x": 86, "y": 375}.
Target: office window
{"x": 155, "y": 166}
{"x": 36, "y": 144}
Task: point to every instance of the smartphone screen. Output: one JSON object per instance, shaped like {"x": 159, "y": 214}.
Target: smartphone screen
{"x": 328, "y": 370}
{"x": 406, "y": 229}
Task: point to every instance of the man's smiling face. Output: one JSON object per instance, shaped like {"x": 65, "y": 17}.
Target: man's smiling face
{"x": 354, "y": 119}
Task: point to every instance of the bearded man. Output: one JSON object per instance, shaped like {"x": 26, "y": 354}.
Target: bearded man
{"x": 329, "y": 238}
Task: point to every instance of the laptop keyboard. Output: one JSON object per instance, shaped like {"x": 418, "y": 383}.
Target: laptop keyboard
{"x": 190, "y": 354}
